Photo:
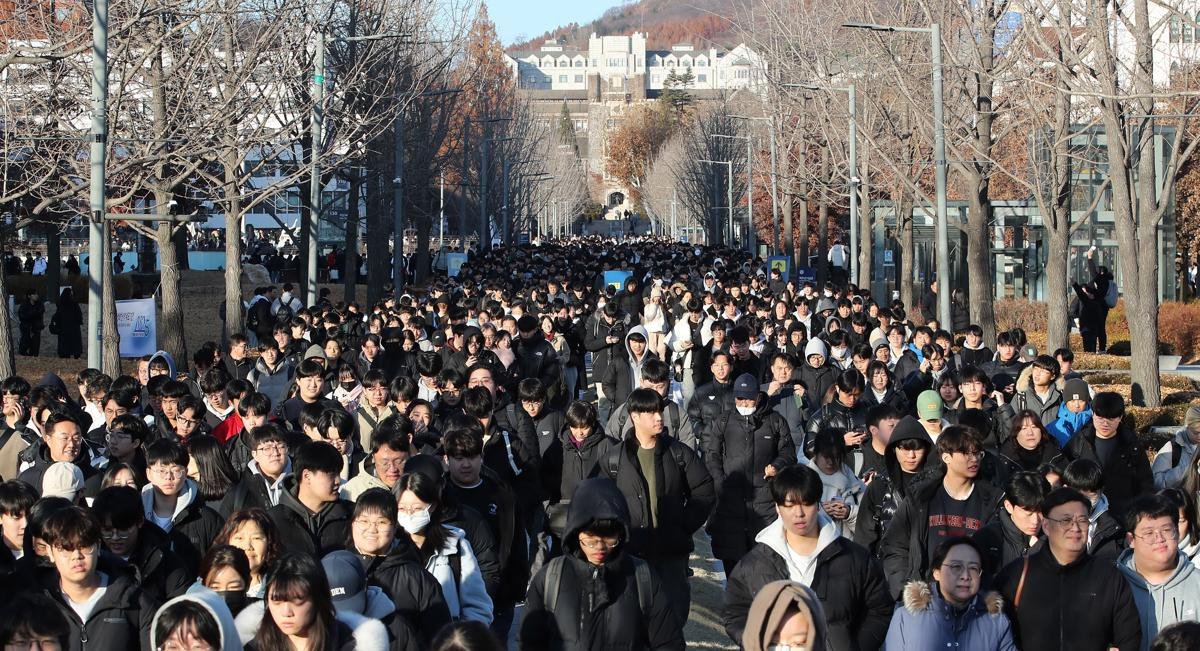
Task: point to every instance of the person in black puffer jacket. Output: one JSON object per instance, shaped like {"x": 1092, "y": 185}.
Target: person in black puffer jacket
{"x": 715, "y": 397}
{"x": 596, "y": 596}
{"x": 574, "y": 455}
{"x": 121, "y": 617}
{"x": 309, "y": 516}
{"x": 1125, "y": 465}
{"x": 742, "y": 449}
{"x": 393, "y": 564}
{"x": 907, "y": 455}
{"x": 847, "y": 580}
{"x": 843, "y": 413}
{"x": 172, "y": 502}
{"x": 1016, "y": 531}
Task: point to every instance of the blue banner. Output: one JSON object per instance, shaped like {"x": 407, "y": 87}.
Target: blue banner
{"x": 616, "y": 278}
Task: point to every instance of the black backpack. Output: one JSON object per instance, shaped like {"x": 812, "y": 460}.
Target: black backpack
{"x": 553, "y": 577}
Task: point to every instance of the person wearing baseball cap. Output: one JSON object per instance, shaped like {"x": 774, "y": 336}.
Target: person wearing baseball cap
{"x": 362, "y": 607}
{"x": 929, "y": 412}
{"x": 62, "y": 479}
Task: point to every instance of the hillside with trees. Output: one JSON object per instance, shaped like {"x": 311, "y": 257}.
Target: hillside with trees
{"x": 666, "y": 22}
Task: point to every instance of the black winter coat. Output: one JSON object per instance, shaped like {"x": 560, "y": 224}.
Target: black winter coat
{"x": 891, "y": 487}
{"x": 315, "y": 533}
{"x": 120, "y": 620}
{"x": 686, "y": 496}
{"x": 848, "y": 581}
{"x": 416, "y": 594}
{"x": 535, "y": 358}
{"x": 737, "y": 449}
{"x": 834, "y": 415}
{"x": 1003, "y": 543}
{"x": 159, "y": 572}
{"x": 565, "y": 464}
{"x": 1127, "y": 473}
{"x": 595, "y": 333}
{"x": 1083, "y": 606}
{"x": 192, "y": 533}
{"x": 709, "y": 401}
{"x": 817, "y": 381}
{"x": 904, "y": 548}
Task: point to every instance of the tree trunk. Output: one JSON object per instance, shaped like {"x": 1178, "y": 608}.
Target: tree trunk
{"x": 170, "y": 328}
{"x": 979, "y": 267}
{"x": 906, "y": 269}
{"x": 110, "y": 337}
{"x": 823, "y": 222}
{"x": 306, "y": 216}
{"x": 8, "y": 360}
{"x": 1058, "y": 292}
{"x": 350, "y": 266}
{"x": 53, "y": 262}
{"x": 235, "y": 313}
{"x": 378, "y": 272}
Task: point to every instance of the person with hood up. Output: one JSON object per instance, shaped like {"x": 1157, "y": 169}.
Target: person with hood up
{"x": 1074, "y": 412}
{"x": 949, "y": 611}
{"x": 802, "y": 545}
{"x": 785, "y": 614}
{"x": 309, "y": 516}
{"x": 1171, "y": 464}
{"x": 743, "y": 449}
{"x": 172, "y": 502}
{"x": 948, "y": 504}
{"x": 906, "y": 455}
{"x": 1061, "y": 597}
{"x": 1165, "y": 584}
{"x": 161, "y": 363}
{"x": 624, "y": 372}
{"x": 815, "y": 373}
{"x": 598, "y": 596}
{"x": 199, "y": 617}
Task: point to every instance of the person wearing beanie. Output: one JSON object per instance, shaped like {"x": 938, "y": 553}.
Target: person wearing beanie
{"x": 743, "y": 449}
{"x": 1177, "y": 455}
{"x": 1108, "y": 441}
{"x": 1074, "y": 412}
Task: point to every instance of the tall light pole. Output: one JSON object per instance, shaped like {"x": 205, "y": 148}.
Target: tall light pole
{"x": 97, "y": 229}
{"x": 770, "y": 119}
{"x": 728, "y": 187}
{"x": 939, "y": 154}
{"x": 853, "y": 154}
{"x": 752, "y": 238}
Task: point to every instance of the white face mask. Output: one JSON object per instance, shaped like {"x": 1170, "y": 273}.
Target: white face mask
{"x": 745, "y": 411}
{"x": 839, "y": 352}
{"x": 414, "y": 523}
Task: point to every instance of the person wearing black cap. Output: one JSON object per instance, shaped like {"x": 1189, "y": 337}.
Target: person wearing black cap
{"x": 535, "y": 357}
{"x": 743, "y": 448}
{"x": 1115, "y": 446}
{"x": 366, "y": 609}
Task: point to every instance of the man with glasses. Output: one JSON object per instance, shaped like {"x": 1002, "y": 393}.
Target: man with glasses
{"x": 101, "y": 601}
{"x": 391, "y": 445}
{"x": 1115, "y": 446}
{"x": 945, "y": 506}
{"x": 261, "y": 480}
{"x": 1061, "y": 597}
{"x": 373, "y": 407}
{"x": 1165, "y": 584}
{"x": 173, "y": 502}
{"x": 61, "y": 440}
{"x": 189, "y": 419}
{"x": 561, "y": 602}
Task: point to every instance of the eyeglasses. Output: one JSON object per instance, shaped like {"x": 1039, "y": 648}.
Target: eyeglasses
{"x": 1066, "y": 523}
{"x": 1166, "y": 533}
{"x": 118, "y": 435}
{"x": 271, "y": 448}
{"x": 186, "y": 421}
{"x": 168, "y": 471}
{"x": 20, "y": 643}
{"x": 198, "y": 645}
{"x": 974, "y": 571}
{"x": 117, "y": 534}
{"x": 596, "y": 544}
{"x": 391, "y": 464}
{"x": 373, "y": 524}
{"x": 68, "y": 439}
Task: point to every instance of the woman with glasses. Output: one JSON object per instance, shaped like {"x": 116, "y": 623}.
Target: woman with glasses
{"x": 392, "y": 564}
{"x": 949, "y": 611}
{"x": 595, "y": 596}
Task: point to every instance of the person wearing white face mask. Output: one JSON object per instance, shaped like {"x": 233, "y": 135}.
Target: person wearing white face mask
{"x": 443, "y": 549}
{"x": 743, "y": 448}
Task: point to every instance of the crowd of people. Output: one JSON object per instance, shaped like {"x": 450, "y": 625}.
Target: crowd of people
{"x": 525, "y": 452}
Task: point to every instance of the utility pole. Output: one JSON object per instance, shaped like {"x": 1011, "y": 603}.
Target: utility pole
{"x": 485, "y": 241}
{"x": 97, "y": 227}
{"x": 674, "y": 222}
{"x": 314, "y": 188}
{"x": 441, "y": 210}
{"x": 752, "y": 237}
{"x": 505, "y": 230}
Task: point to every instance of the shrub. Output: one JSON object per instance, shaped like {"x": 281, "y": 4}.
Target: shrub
{"x": 1179, "y": 327}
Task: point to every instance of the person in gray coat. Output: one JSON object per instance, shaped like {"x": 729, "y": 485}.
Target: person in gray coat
{"x": 1165, "y": 584}
{"x": 949, "y": 612}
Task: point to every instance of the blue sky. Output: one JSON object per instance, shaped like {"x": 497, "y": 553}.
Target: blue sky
{"x": 532, "y": 17}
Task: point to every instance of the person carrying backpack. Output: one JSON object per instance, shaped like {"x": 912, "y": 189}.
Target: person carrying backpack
{"x": 597, "y": 595}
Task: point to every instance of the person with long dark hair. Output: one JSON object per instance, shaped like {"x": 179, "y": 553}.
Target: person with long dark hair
{"x": 443, "y": 549}
{"x": 226, "y": 571}
{"x": 210, "y": 469}
{"x": 299, "y": 613}
{"x": 65, "y": 323}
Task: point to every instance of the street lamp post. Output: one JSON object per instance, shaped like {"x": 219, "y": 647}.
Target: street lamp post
{"x": 752, "y": 238}
{"x": 97, "y": 229}
{"x": 940, "y": 165}
{"x": 770, "y": 119}
{"x": 853, "y": 153}
{"x": 728, "y": 188}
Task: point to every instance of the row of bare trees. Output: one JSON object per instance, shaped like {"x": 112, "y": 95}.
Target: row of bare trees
{"x": 211, "y": 111}
{"x": 1025, "y": 83}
